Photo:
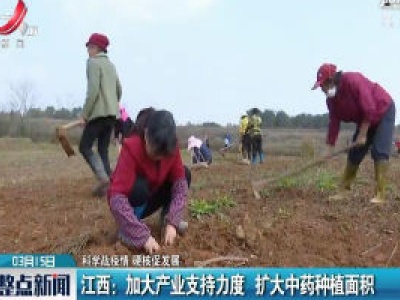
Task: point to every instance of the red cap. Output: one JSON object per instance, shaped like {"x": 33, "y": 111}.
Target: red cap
{"x": 325, "y": 72}
{"x": 99, "y": 40}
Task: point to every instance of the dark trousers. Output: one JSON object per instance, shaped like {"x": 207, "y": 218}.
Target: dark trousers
{"x": 99, "y": 129}
{"x": 197, "y": 156}
{"x": 202, "y": 154}
{"x": 257, "y": 145}
{"x": 379, "y": 139}
{"x": 246, "y": 146}
{"x": 145, "y": 203}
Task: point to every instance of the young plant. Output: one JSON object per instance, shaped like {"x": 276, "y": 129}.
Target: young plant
{"x": 326, "y": 182}
{"x": 202, "y": 207}
{"x": 289, "y": 182}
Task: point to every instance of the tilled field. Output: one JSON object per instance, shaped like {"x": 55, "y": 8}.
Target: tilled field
{"x": 46, "y": 207}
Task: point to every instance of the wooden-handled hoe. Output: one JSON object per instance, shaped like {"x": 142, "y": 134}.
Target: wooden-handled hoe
{"x": 258, "y": 185}
{"x": 61, "y": 133}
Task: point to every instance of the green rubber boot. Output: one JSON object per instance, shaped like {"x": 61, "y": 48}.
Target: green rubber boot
{"x": 381, "y": 169}
{"x": 348, "y": 177}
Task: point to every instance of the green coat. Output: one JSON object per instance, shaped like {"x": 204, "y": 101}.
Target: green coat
{"x": 103, "y": 89}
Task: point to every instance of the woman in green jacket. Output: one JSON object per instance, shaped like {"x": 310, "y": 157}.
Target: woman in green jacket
{"x": 100, "y": 110}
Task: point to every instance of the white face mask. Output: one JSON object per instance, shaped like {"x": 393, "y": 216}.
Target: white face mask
{"x": 331, "y": 92}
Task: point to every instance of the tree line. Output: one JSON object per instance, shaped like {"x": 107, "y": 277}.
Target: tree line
{"x": 270, "y": 118}
{"x": 53, "y": 113}
{"x": 280, "y": 119}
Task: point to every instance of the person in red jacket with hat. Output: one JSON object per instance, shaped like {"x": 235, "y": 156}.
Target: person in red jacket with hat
{"x": 100, "y": 111}
{"x": 150, "y": 175}
{"x": 351, "y": 97}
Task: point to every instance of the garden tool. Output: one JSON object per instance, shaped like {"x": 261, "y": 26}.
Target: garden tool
{"x": 258, "y": 185}
{"x": 61, "y": 133}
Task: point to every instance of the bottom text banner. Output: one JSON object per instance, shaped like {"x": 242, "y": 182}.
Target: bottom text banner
{"x": 249, "y": 283}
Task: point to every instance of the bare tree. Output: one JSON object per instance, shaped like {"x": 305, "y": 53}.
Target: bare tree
{"x": 22, "y": 97}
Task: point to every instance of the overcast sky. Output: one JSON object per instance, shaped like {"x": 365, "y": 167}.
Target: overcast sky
{"x": 205, "y": 60}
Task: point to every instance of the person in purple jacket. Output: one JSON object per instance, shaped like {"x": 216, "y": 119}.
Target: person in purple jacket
{"x": 351, "y": 97}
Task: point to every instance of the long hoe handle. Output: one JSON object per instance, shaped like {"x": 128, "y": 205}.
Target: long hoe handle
{"x": 261, "y": 184}
{"x": 71, "y": 125}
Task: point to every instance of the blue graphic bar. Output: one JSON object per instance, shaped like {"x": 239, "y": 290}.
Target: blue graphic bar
{"x": 36, "y": 261}
{"x": 249, "y": 283}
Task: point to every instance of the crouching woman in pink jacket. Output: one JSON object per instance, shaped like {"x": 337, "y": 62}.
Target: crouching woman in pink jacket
{"x": 150, "y": 175}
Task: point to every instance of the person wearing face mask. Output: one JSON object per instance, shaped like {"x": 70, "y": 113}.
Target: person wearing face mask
{"x": 351, "y": 97}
